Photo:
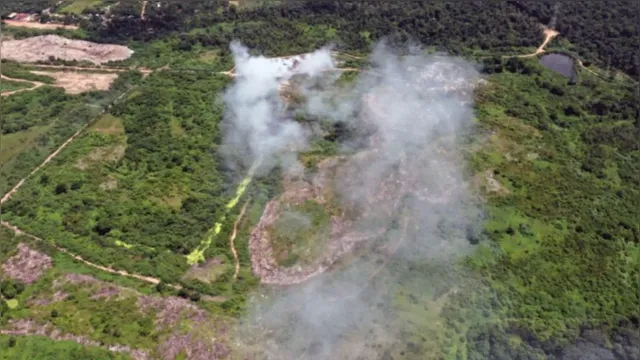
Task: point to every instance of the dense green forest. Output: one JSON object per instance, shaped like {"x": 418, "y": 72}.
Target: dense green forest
{"x": 555, "y": 271}
{"x": 564, "y": 230}
{"x": 459, "y": 27}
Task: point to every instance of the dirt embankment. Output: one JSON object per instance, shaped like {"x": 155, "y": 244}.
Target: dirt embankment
{"x": 37, "y": 25}
{"x": 45, "y": 47}
{"x": 341, "y": 241}
{"x": 371, "y": 196}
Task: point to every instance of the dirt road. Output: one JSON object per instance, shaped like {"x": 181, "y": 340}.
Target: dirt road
{"x": 36, "y": 84}
{"x": 37, "y": 25}
{"x": 232, "y": 241}
{"x": 8, "y": 195}
{"x": 549, "y": 34}
{"x": 147, "y": 279}
{"x": 144, "y": 7}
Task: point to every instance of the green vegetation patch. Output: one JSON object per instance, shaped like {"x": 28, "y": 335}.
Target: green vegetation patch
{"x": 78, "y": 6}
{"x": 18, "y": 71}
{"x": 300, "y": 233}
{"x": 562, "y": 242}
{"x": 35, "y": 347}
{"x": 9, "y": 85}
{"x": 101, "y": 191}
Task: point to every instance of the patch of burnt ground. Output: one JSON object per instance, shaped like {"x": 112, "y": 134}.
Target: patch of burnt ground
{"x": 27, "y": 265}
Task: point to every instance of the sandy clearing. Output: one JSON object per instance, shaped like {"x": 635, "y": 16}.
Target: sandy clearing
{"x": 37, "y": 25}
{"x": 41, "y": 48}
{"x": 78, "y": 82}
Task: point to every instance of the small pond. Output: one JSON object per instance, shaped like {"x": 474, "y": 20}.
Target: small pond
{"x": 562, "y": 64}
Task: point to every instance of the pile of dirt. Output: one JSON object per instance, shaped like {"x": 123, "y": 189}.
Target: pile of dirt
{"x": 42, "y": 48}
{"x": 80, "y": 82}
{"x": 27, "y": 265}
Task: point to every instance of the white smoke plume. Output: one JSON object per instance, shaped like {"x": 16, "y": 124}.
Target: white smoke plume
{"x": 254, "y": 130}
{"x": 408, "y": 195}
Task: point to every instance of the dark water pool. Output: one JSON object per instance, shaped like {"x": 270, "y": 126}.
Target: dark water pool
{"x": 562, "y": 64}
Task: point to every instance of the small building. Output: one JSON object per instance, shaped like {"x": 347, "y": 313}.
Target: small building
{"x": 12, "y": 16}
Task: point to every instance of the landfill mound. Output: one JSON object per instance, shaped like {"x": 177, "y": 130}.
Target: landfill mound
{"x": 43, "y": 48}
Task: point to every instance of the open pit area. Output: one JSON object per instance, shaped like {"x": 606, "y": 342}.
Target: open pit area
{"x": 45, "y": 47}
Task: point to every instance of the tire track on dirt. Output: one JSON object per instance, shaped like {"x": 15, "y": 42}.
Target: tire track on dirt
{"x": 233, "y": 238}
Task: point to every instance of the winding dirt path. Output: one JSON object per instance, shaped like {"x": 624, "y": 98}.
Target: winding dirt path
{"x": 549, "y": 34}
{"x": 36, "y": 84}
{"x": 147, "y": 279}
{"x": 144, "y": 7}
{"x": 232, "y": 241}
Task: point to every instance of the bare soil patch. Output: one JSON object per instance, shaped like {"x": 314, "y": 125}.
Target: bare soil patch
{"x": 493, "y": 185}
{"x": 193, "y": 348}
{"x": 208, "y": 271}
{"x": 27, "y": 265}
{"x": 37, "y": 25}
{"x": 111, "y": 153}
{"x": 80, "y": 82}
{"x": 41, "y": 48}
{"x": 30, "y": 327}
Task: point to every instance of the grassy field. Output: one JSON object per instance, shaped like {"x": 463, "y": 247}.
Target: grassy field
{"x": 77, "y": 6}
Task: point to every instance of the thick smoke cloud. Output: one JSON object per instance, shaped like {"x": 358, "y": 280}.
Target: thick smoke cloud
{"x": 404, "y": 188}
{"x": 254, "y": 130}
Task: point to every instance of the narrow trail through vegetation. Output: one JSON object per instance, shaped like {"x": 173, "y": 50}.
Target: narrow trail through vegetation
{"x": 144, "y": 7}
{"x": 36, "y": 84}
{"x": 8, "y": 195}
{"x": 147, "y": 279}
{"x": 232, "y": 239}
{"x": 549, "y": 34}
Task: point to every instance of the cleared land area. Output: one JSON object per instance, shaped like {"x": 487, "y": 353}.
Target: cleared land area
{"x": 37, "y": 25}
{"x": 80, "y": 82}
{"x": 43, "y": 48}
